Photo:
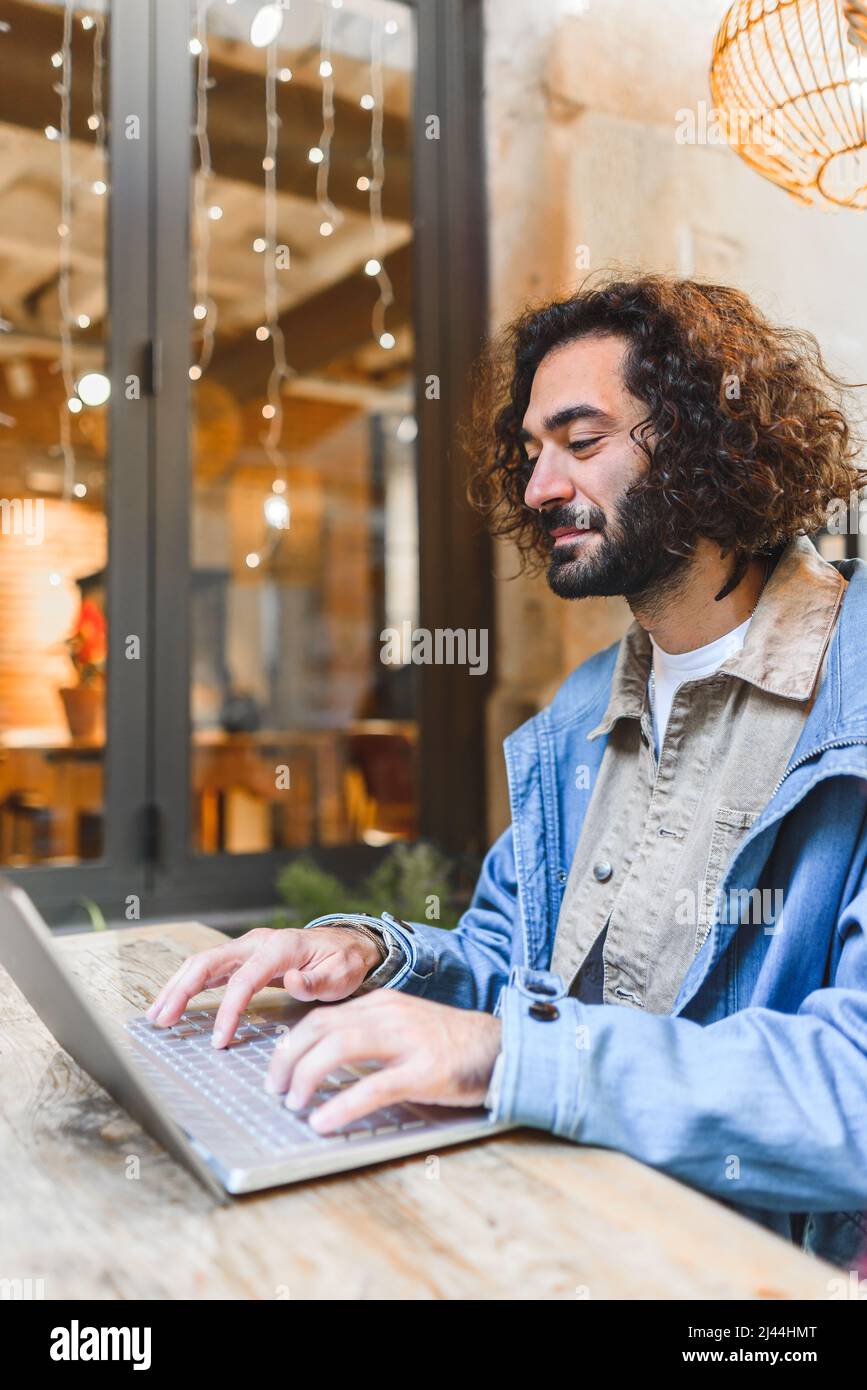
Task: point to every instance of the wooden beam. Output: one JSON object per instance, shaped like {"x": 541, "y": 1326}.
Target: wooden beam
{"x": 236, "y": 117}
{"x": 324, "y": 327}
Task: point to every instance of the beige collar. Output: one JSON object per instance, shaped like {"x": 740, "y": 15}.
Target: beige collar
{"x": 785, "y": 641}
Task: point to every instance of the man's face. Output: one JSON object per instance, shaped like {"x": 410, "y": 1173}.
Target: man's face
{"x": 577, "y": 435}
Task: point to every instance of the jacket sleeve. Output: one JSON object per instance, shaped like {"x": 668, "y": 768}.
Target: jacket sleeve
{"x": 761, "y": 1108}
{"x": 469, "y": 965}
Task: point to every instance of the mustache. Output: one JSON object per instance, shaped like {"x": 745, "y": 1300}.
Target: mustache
{"x": 582, "y": 518}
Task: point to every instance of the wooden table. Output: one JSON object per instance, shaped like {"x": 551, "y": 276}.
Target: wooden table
{"x": 521, "y": 1215}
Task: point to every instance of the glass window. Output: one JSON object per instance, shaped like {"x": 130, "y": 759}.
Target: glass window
{"x": 53, "y": 426}
{"x": 304, "y": 532}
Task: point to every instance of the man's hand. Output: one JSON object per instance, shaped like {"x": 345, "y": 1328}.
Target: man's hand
{"x": 323, "y": 963}
{"x": 430, "y": 1053}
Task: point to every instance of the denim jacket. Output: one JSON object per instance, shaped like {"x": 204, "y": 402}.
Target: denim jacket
{"x": 754, "y": 1088}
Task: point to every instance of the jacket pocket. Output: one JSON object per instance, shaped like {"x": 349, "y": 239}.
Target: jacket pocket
{"x": 729, "y": 829}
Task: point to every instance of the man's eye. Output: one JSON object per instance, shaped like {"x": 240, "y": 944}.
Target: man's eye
{"x": 584, "y": 443}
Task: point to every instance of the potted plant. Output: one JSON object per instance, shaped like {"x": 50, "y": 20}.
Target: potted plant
{"x": 84, "y": 703}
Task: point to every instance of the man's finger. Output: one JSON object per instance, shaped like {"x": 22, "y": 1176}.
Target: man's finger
{"x": 338, "y": 1049}
{"x": 381, "y": 1088}
{"x": 199, "y": 972}
{"x": 263, "y": 966}
{"x": 328, "y": 980}
{"x": 318, "y": 1024}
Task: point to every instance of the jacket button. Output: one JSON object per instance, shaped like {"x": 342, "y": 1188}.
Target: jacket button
{"x": 602, "y": 871}
{"x": 562, "y": 876}
{"x": 545, "y": 1013}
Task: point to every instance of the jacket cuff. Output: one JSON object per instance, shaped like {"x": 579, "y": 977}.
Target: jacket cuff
{"x": 539, "y": 1076}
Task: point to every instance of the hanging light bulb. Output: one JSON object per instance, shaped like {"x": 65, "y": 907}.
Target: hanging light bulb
{"x": 276, "y": 510}
{"x": 266, "y": 25}
{"x": 94, "y": 388}
{"x": 253, "y": 560}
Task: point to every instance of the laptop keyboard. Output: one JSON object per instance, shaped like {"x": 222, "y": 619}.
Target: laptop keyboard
{"x": 232, "y": 1080}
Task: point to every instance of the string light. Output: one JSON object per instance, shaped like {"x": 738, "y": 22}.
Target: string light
{"x": 374, "y": 186}
{"x": 94, "y": 388}
{"x": 205, "y": 310}
{"x": 266, "y": 26}
{"x": 276, "y": 511}
{"x": 64, "y": 90}
{"x": 331, "y": 215}
{"x": 280, "y": 369}
{"x": 96, "y": 119}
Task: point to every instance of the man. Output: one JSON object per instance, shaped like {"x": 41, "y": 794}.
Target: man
{"x": 665, "y": 953}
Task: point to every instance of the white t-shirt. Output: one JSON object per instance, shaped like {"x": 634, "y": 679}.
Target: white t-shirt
{"x": 671, "y": 669}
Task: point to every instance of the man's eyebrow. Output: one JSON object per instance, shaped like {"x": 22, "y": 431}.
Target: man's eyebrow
{"x": 570, "y": 413}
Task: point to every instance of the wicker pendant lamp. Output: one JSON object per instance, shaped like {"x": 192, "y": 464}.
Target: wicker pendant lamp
{"x": 789, "y": 79}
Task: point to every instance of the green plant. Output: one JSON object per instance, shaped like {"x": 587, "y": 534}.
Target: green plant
{"x": 309, "y": 891}
{"x": 411, "y": 882}
{"x": 95, "y": 913}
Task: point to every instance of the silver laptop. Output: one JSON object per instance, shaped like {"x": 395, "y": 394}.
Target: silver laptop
{"x": 209, "y": 1107}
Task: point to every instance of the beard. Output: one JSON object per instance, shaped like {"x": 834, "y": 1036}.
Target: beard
{"x": 628, "y": 559}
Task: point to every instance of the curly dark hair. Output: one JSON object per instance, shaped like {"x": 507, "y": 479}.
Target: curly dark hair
{"x": 749, "y": 468}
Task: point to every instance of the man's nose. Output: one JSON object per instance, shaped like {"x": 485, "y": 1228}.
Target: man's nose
{"x": 549, "y": 482}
